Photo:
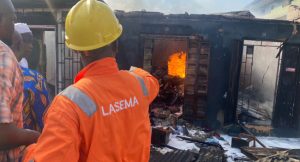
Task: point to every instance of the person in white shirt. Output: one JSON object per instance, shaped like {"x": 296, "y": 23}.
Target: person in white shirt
{"x": 36, "y": 96}
{"x": 24, "y": 38}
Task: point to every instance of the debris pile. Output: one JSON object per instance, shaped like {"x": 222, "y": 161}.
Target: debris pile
{"x": 169, "y": 103}
{"x": 174, "y": 139}
{"x": 243, "y": 145}
{"x": 194, "y": 142}
{"x": 203, "y": 145}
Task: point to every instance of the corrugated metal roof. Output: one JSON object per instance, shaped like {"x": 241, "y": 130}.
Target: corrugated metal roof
{"x": 175, "y": 156}
{"x": 206, "y": 154}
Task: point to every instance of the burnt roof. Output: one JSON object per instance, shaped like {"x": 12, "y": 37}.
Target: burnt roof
{"x": 201, "y": 17}
{"x": 20, "y": 4}
{"x": 238, "y": 14}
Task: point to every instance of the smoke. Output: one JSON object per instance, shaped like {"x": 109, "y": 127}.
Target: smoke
{"x": 261, "y": 78}
{"x": 180, "y": 6}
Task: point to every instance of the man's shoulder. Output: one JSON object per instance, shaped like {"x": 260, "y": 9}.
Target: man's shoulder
{"x": 62, "y": 104}
{"x": 7, "y": 54}
{"x": 4, "y": 48}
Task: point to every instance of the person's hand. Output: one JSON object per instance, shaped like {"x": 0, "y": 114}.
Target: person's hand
{"x": 34, "y": 135}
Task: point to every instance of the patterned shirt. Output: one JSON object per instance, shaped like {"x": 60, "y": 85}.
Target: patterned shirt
{"x": 11, "y": 96}
{"x": 36, "y": 99}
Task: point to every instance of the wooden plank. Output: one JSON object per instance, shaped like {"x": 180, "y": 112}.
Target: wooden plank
{"x": 205, "y": 50}
{"x": 148, "y": 43}
{"x": 148, "y": 57}
{"x": 189, "y": 91}
{"x": 255, "y": 153}
{"x": 197, "y": 78}
{"x": 148, "y": 51}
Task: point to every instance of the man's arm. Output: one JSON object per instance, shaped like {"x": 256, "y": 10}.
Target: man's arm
{"x": 60, "y": 139}
{"x": 151, "y": 82}
{"x": 10, "y": 135}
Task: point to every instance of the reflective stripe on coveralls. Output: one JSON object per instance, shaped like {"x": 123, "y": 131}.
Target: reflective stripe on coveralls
{"x": 142, "y": 83}
{"x": 85, "y": 103}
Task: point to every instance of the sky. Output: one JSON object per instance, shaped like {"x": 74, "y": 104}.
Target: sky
{"x": 180, "y": 6}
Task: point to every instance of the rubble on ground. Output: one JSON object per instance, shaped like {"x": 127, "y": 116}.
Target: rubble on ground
{"x": 174, "y": 139}
{"x": 201, "y": 145}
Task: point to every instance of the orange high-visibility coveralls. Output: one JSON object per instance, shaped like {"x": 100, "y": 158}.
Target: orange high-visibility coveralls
{"x": 103, "y": 117}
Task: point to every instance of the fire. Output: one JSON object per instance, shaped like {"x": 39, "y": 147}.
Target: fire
{"x": 176, "y": 64}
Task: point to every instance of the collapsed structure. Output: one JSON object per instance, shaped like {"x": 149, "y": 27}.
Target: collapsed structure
{"x": 209, "y": 66}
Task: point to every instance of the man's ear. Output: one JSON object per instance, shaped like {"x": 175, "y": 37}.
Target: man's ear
{"x": 84, "y": 53}
{"x": 115, "y": 46}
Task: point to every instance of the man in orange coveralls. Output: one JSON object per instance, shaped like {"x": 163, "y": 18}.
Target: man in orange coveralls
{"x": 103, "y": 116}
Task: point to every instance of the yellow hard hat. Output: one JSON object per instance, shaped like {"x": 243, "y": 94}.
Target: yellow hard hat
{"x": 90, "y": 25}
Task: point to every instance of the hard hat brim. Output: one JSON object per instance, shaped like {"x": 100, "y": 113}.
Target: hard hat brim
{"x": 95, "y": 46}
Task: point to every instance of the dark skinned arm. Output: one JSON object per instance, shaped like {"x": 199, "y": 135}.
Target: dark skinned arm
{"x": 12, "y": 136}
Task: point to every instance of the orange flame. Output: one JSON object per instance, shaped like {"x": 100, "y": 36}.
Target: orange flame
{"x": 176, "y": 64}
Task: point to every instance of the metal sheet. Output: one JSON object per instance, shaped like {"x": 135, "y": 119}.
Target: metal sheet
{"x": 175, "y": 156}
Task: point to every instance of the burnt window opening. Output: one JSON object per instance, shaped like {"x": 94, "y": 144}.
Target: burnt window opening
{"x": 258, "y": 82}
{"x": 181, "y": 66}
{"x": 165, "y": 58}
